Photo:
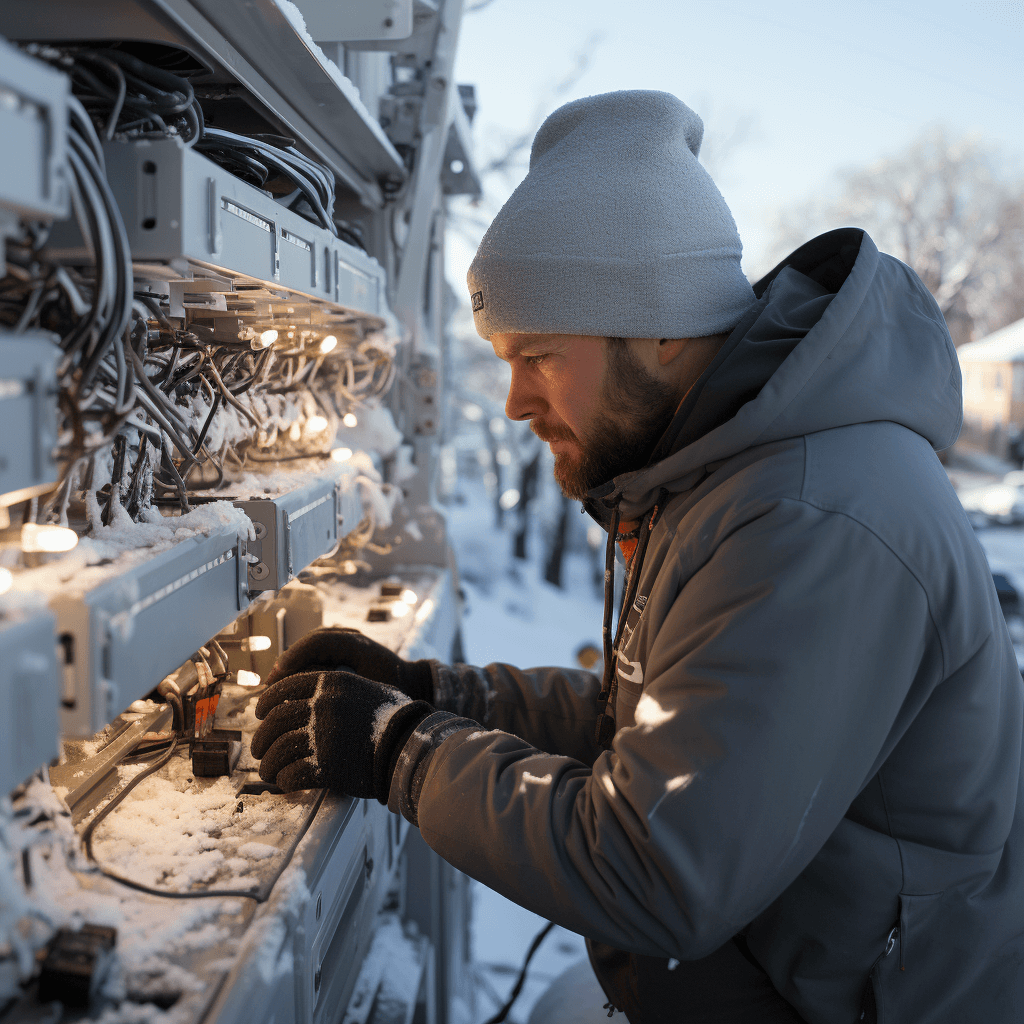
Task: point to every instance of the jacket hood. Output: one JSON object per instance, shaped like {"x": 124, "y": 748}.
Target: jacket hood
{"x": 840, "y": 334}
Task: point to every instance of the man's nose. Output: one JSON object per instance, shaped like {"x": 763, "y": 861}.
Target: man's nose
{"x": 523, "y": 402}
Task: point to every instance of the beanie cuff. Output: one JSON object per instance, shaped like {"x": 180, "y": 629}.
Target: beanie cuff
{"x": 680, "y": 295}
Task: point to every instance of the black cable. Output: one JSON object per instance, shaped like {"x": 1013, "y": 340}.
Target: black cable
{"x": 179, "y": 484}
{"x": 88, "y": 218}
{"x": 231, "y": 400}
{"x": 314, "y": 182}
{"x": 90, "y": 172}
{"x": 500, "y": 1016}
{"x": 125, "y": 94}
{"x": 154, "y": 767}
{"x": 169, "y": 417}
{"x": 120, "y": 95}
{"x": 246, "y": 384}
{"x": 209, "y": 420}
{"x": 87, "y": 832}
{"x": 261, "y": 895}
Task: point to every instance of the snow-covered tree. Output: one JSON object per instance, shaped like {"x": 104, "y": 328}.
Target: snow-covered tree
{"x": 945, "y": 207}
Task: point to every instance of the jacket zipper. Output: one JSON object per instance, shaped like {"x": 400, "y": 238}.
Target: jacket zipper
{"x": 890, "y": 944}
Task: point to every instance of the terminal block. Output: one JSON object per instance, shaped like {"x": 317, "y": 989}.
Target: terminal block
{"x": 118, "y": 639}
{"x": 76, "y": 965}
{"x": 33, "y": 125}
{"x": 292, "y": 531}
{"x": 187, "y": 213}
{"x": 28, "y": 416}
{"x": 29, "y": 684}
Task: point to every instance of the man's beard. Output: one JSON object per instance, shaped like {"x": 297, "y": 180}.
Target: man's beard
{"x": 614, "y": 444}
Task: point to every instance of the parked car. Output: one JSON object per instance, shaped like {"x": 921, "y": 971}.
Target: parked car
{"x": 993, "y": 504}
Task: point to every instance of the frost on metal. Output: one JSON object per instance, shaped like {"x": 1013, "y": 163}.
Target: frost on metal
{"x": 346, "y": 85}
{"x": 266, "y": 950}
{"x": 110, "y": 550}
{"x": 41, "y": 891}
{"x": 390, "y": 976}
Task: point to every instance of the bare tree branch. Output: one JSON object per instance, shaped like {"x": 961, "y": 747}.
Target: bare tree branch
{"x": 725, "y": 132}
{"x": 940, "y": 208}
{"x": 510, "y": 155}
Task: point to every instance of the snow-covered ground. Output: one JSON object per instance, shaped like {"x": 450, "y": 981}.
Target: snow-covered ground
{"x": 513, "y": 615}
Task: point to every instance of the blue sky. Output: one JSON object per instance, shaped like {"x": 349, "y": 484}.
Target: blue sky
{"x": 826, "y": 86}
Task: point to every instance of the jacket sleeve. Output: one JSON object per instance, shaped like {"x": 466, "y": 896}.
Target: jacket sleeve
{"x": 553, "y": 709}
{"x": 784, "y": 671}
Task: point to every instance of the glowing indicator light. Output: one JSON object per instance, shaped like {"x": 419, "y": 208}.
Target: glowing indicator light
{"x": 265, "y": 340}
{"x": 329, "y": 344}
{"x": 341, "y": 454}
{"x": 256, "y": 643}
{"x": 409, "y": 596}
{"x": 295, "y": 431}
{"x": 316, "y": 424}
{"x": 426, "y": 609}
{"x": 47, "y": 538}
{"x": 399, "y": 608}
{"x": 509, "y": 499}
{"x": 349, "y": 419}
{"x": 6, "y": 579}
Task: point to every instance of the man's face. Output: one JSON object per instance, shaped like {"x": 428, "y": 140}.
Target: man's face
{"x": 599, "y": 408}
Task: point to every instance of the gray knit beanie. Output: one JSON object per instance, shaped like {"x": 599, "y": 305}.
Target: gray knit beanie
{"x": 616, "y": 231}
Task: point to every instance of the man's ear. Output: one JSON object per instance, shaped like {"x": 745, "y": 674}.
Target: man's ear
{"x": 669, "y": 348}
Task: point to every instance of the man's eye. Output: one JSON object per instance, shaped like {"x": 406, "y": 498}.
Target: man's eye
{"x": 533, "y": 360}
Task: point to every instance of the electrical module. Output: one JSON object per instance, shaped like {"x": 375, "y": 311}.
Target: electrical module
{"x": 221, "y": 334}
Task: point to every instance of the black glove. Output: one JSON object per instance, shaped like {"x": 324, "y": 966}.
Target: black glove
{"x": 334, "y": 730}
{"x": 338, "y": 647}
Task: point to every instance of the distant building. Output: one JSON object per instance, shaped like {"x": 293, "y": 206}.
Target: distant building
{"x": 993, "y": 383}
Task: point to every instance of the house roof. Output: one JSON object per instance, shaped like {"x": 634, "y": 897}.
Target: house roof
{"x": 1002, "y": 346}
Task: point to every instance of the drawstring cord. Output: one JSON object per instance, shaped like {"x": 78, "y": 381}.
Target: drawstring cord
{"x": 609, "y": 678}
{"x": 604, "y": 722}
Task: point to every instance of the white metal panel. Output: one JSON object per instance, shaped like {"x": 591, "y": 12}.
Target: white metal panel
{"x": 344, "y": 20}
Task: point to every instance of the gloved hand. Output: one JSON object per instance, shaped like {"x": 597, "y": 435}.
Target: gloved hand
{"x": 340, "y": 648}
{"x": 334, "y": 730}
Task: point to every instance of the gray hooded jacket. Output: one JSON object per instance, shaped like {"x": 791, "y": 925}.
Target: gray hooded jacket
{"x": 819, "y": 713}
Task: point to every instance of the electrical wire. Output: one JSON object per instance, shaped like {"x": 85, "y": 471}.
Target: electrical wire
{"x": 256, "y": 159}
{"x": 261, "y": 895}
{"x": 100, "y": 815}
{"x": 126, "y": 368}
{"x": 500, "y": 1016}
{"x": 129, "y": 96}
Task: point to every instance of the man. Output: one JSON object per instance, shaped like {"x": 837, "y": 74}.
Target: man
{"x": 796, "y": 794}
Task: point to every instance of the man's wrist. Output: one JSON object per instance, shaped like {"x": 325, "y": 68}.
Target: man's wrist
{"x": 414, "y": 760}
{"x": 400, "y": 726}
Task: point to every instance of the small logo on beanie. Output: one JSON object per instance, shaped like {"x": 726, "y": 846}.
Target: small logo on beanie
{"x": 478, "y": 301}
